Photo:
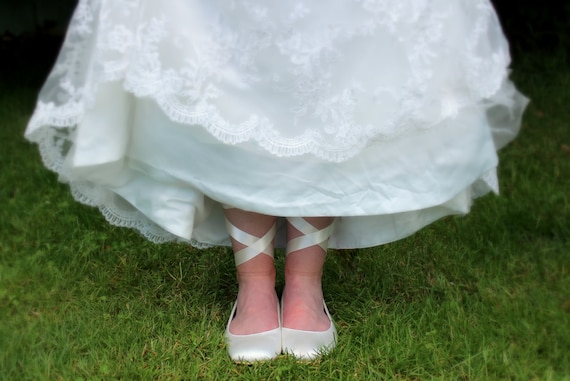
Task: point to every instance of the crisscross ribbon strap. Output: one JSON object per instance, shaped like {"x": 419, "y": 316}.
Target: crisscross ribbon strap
{"x": 311, "y": 235}
{"x": 254, "y": 246}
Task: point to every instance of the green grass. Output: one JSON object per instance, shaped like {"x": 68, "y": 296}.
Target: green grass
{"x": 483, "y": 297}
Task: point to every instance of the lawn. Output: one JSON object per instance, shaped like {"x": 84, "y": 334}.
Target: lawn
{"x": 481, "y": 297}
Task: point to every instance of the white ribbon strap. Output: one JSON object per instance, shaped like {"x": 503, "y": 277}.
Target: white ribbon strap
{"x": 311, "y": 235}
{"x": 254, "y": 246}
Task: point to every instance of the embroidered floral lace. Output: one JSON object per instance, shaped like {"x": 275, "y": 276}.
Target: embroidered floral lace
{"x": 194, "y": 58}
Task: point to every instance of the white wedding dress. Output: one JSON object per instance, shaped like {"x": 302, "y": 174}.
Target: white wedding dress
{"x": 385, "y": 113}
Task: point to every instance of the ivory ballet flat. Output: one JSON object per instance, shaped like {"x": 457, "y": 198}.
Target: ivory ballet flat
{"x": 254, "y": 347}
{"x": 308, "y": 345}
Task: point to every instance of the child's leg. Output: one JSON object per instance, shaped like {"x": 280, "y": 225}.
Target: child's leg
{"x": 252, "y": 241}
{"x": 302, "y": 301}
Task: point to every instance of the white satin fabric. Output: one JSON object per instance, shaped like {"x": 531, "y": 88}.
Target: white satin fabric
{"x": 385, "y": 113}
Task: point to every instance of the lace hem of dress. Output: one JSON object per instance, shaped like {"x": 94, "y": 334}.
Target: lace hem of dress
{"x": 48, "y": 116}
{"x": 119, "y": 213}
{"x": 138, "y": 47}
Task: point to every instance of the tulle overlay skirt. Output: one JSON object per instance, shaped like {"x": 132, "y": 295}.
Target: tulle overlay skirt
{"x": 385, "y": 113}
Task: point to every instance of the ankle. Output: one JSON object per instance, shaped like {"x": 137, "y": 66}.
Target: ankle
{"x": 305, "y": 290}
{"x": 259, "y": 278}
{"x": 303, "y": 278}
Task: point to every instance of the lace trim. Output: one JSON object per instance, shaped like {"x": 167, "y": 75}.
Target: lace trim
{"x": 120, "y": 213}
{"x": 127, "y": 42}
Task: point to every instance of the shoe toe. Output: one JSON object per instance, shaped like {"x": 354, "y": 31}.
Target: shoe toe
{"x": 308, "y": 345}
{"x": 256, "y": 347}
